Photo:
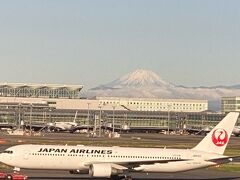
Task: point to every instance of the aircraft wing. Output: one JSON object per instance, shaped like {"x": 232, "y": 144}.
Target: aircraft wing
{"x": 225, "y": 159}
{"x": 123, "y": 165}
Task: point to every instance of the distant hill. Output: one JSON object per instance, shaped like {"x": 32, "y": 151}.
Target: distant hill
{"x": 147, "y": 84}
{"x": 235, "y": 86}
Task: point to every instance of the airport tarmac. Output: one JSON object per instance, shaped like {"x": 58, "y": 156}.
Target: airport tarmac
{"x": 136, "y": 140}
{"x": 139, "y": 140}
{"x": 194, "y": 175}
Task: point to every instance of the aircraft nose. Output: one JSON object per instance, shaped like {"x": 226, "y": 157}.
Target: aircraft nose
{"x": 2, "y": 157}
{"x": 5, "y": 158}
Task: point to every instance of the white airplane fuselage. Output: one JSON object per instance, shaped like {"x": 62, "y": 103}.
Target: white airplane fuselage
{"x": 109, "y": 161}
{"x": 236, "y": 131}
{"x": 80, "y": 157}
{"x": 64, "y": 126}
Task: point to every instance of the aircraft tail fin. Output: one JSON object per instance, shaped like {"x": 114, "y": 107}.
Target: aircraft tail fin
{"x": 75, "y": 117}
{"x": 216, "y": 141}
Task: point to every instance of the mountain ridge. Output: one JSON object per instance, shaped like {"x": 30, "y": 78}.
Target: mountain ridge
{"x": 147, "y": 84}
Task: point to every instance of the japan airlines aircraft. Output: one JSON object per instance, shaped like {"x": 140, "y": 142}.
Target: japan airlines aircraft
{"x": 113, "y": 161}
{"x": 63, "y": 126}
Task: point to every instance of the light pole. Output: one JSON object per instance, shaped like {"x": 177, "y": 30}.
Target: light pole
{"x": 88, "y": 118}
{"x": 169, "y": 107}
{"x": 31, "y": 108}
{"x": 100, "y": 117}
{"x": 95, "y": 124}
{"x": 19, "y": 115}
{"x": 113, "y": 122}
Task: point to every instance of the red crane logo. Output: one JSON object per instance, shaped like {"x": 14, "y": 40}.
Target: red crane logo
{"x": 219, "y": 137}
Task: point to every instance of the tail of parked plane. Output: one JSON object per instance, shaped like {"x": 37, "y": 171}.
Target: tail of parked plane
{"x": 75, "y": 117}
{"x": 216, "y": 141}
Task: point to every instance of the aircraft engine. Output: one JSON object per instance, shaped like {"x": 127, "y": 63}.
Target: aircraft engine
{"x": 103, "y": 170}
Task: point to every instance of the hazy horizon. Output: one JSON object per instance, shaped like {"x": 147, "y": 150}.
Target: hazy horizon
{"x": 189, "y": 43}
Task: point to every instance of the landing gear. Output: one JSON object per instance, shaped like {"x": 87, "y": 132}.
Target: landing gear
{"x": 115, "y": 177}
{"x": 9, "y": 177}
{"x": 127, "y": 177}
{"x": 123, "y": 177}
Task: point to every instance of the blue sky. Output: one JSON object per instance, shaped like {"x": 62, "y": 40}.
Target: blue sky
{"x": 89, "y": 42}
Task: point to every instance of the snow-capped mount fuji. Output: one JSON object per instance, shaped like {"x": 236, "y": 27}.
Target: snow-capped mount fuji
{"x": 138, "y": 79}
{"x": 147, "y": 84}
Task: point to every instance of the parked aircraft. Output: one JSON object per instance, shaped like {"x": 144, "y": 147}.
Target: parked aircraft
{"x": 113, "y": 161}
{"x": 207, "y": 129}
{"x": 236, "y": 131}
{"x": 63, "y": 126}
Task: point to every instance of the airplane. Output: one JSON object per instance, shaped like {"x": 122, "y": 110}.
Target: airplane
{"x": 204, "y": 131}
{"x": 105, "y": 162}
{"x": 236, "y": 131}
{"x": 63, "y": 126}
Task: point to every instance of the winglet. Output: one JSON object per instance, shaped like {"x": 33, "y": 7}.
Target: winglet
{"x": 216, "y": 141}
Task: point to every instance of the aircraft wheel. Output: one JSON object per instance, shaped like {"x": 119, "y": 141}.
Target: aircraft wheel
{"x": 9, "y": 176}
{"x": 128, "y": 178}
{"x": 115, "y": 177}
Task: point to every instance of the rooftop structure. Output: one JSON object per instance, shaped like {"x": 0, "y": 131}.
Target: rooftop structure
{"x": 146, "y": 104}
{"x": 40, "y": 90}
{"x": 230, "y": 104}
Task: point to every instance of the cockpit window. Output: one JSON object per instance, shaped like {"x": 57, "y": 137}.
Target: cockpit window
{"x": 8, "y": 152}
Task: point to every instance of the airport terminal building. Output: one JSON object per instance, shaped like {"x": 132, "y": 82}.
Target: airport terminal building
{"x": 145, "y": 104}
{"x": 68, "y": 97}
{"x": 44, "y": 103}
{"x": 40, "y": 90}
{"x": 230, "y": 104}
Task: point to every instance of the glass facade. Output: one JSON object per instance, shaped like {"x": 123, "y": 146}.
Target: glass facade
{"x": 37, "y": 90}
{"x": 144, "y": 104}
{"x": 229, "y": 104}
{"x": 44, "y": 114}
